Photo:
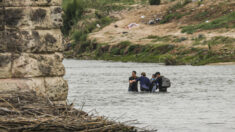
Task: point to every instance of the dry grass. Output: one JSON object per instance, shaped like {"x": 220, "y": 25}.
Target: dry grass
{"x": 26, "y": 112}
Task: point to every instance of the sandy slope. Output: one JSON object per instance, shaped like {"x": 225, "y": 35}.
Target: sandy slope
{"x": 137, "y": 35}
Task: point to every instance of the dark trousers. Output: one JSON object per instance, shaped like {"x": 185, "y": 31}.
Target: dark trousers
{"x": 144, "y": 90}
{"x": 162, "y": 89}
{"x": 133, "y": 89}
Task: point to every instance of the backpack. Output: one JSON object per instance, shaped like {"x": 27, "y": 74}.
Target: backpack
{"x": 166, "y": 83}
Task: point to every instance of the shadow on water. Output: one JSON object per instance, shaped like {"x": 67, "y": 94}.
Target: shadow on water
{"x": 201, "y": 97}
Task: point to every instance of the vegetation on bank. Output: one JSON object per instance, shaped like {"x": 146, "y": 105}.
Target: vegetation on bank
{"x": 227, "y": 21}
{"x": 80, "y": 10}
{"x": 83, "y": 10}
{"x": 82, "y": 17}
{"x": 173, "y": 13}
{"x": 85, "y": 16}
{"x": 167, "y": 53}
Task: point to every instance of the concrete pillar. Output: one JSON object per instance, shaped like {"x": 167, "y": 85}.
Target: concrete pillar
{"x": 31, "y": 46}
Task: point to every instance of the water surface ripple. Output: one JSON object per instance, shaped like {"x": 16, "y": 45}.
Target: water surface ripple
{"x": 202, "y": 98}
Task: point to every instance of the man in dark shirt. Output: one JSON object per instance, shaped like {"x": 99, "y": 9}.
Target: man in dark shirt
{"x": 133, "y": 84}
{"x": 159, "y": 82}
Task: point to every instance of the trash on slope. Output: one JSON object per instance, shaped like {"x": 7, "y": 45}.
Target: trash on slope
{"x": 132, "y": 25}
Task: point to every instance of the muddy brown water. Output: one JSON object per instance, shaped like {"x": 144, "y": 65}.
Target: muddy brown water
{"x": 202, "y": 98}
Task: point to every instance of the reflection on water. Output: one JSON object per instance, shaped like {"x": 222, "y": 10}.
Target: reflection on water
{"x": 202, "y": 98}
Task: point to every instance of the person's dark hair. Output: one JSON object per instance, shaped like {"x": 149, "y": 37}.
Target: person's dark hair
{"x": 157, "y": 73}
{"x": 154, "y": 75}
{"x": 143, "y": 74}
{"x": 134, "y": 72}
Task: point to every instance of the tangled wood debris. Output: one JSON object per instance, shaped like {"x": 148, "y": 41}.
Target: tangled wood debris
{"x": 25, "y": 112}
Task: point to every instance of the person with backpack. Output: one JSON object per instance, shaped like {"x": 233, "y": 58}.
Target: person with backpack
{"x": 162, "y": 82}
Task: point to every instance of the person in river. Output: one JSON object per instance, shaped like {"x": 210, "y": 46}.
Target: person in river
{"x": 153, "y": 83}
{"x": 159, "y": 82}
{"x": 144, "y": 82}
{"x": 133, "y": 84}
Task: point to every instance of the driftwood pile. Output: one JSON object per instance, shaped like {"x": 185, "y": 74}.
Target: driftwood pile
{"x": 25, "y": 112}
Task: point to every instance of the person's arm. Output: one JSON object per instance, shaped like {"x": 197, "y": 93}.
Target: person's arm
{"x": 130, "y": 80}
{"x": 138, "y": 79}
{"x": 134, "y": 80}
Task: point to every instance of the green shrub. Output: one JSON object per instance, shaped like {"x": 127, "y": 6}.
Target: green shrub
{"x": 220, "y": 40}
{"x": 73, "y": 10}
{"x": 179, "y": 5}
{"x": 170, "y": 60}
{"x": 115, "y": 51}
{"x": 170, "y": 17}
{"x": 131, "y": 48}
{"x": 226, "y": 21}
{"x": 181, "y": 39}
{"x": 165, "y": 48}
{"x": 159, "y": 38}
{"x": 172, "y": 12}
{"x": 79, "y": 36}
{"x": 154, "y": 2}
{"x": 202, "y": 15}
{"x": 125, "y": 43}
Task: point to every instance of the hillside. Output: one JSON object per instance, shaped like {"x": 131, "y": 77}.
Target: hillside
{"x": 178, "y": 32}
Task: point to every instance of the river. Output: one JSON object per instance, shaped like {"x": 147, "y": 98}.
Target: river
{"x": 201, "y": 99}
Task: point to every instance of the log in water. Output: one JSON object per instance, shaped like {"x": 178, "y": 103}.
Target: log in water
{"x": 201, "y": 97}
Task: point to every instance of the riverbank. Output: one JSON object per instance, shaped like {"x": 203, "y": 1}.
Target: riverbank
{"x": 181, "y": 33}
{"x": 222, "y": 63}
{"x": 164, "y": 53}
{"x": 24, "y": 111}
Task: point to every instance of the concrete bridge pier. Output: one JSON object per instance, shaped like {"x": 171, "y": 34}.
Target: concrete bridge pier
{"x": 31, "y": 48}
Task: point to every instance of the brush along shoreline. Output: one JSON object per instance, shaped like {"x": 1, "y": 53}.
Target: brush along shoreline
{"x": 168, "y": 54}
{"x": 25, "y": 111}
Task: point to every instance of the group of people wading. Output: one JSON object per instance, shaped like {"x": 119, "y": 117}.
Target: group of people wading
{"x": 148, "y": 85}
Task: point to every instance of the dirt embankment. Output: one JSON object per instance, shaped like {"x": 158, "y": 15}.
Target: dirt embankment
{"x": 180, "y": 32}
{"x": 26, "y": 112}
{"x": 192, "y": 13}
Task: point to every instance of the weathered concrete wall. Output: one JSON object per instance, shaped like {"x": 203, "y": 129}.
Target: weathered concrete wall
{"x": 31, "y": 46}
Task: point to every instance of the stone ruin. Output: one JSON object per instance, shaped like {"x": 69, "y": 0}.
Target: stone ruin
{"x": 31, "y": 48}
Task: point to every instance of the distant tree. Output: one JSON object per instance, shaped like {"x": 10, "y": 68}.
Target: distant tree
{"x": 154, "y": 2}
